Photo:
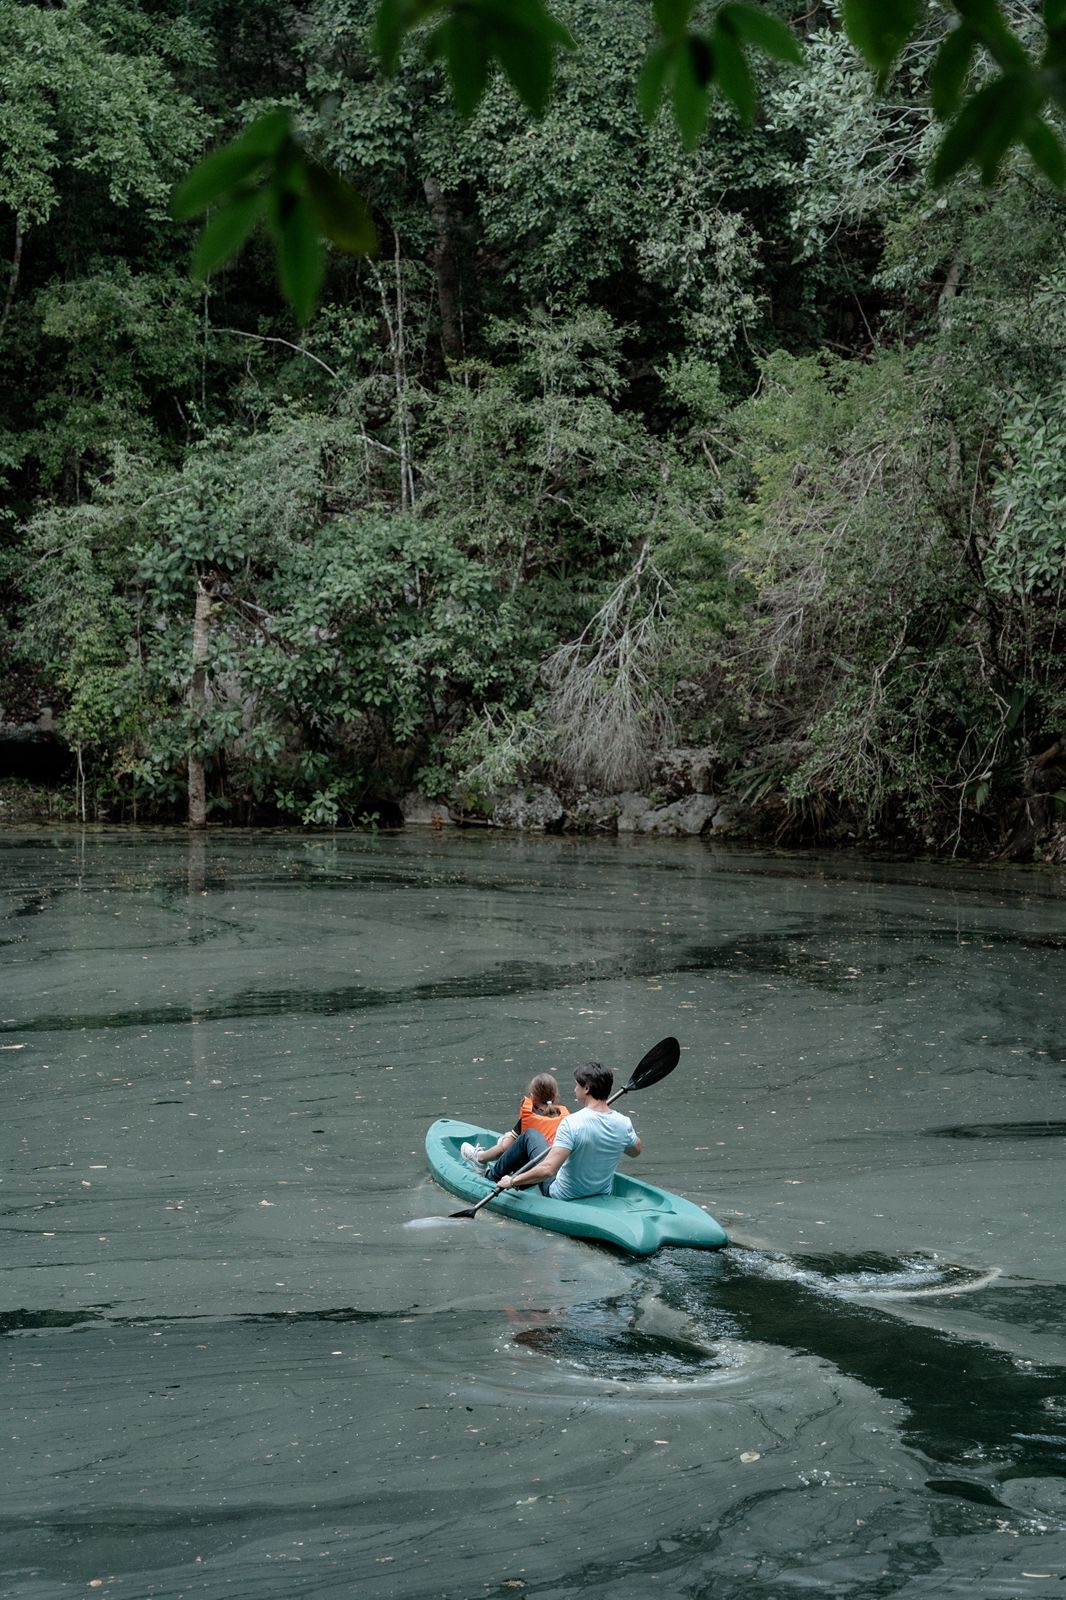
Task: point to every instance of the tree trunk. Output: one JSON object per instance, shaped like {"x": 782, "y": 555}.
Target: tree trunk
{"x": 12, "y": 282}
{"x": 201, "y": 630}
{"x": 446, "y": 270}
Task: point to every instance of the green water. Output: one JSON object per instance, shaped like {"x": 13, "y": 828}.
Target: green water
{"x": 248, "y": 1356}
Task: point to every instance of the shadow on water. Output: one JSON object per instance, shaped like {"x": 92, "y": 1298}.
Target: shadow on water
{"x": 967, "y": 1402}
{"x": 1001, "y": 1130}
{"x": 25, "y": 1321}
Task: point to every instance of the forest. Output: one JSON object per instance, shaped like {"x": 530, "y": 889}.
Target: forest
{"x": 614, "y": 448}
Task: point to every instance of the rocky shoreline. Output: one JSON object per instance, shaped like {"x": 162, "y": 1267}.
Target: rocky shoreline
{"x": 688, "y": 795}
{"x": 683, "y": 799}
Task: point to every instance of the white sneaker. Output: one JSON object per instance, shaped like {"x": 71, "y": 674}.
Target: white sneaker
{"x": 470, "y": 1154}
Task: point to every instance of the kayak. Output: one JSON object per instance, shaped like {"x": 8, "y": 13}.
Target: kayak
{"x": 635, "y": 1216}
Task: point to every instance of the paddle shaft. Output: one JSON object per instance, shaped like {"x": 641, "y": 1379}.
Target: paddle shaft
{"x": 475, "y": 1209}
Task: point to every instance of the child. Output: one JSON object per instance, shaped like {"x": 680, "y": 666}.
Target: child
{"x": 540, "y": 1110}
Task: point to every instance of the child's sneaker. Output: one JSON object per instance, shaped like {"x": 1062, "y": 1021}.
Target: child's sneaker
{"x": 470, "y": 1154}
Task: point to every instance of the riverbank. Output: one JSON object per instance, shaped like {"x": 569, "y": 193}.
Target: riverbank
{"x": 536, "y": 808}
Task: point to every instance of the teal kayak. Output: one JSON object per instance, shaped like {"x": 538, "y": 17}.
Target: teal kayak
{"x": 636, "y": 1216}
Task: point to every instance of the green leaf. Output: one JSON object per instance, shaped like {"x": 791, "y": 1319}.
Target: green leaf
{"x": 701, "y": 59}
{"x": 521, "y": 35}
{"x": 766, "y": 33}
{"x": 652, "y": 78}
{"x": 226, "y": 169}
{"x": 732, "y": 73}
{"x": 227, "y": 231}
{"x": 1045, "y": 147}
{"x": 462, "y": 44}
{"x": 528, "y": 62}
{"x": 671, "y": 16}
{"x": 995, "y": 34}
{"x": 301, "y": 263}
{"x": 395, "y": 19}
{"x": 950, "y": 69}
{"x": 880, "y": 28}
{"x": 984, "y": 129}
{"x": 341, "y": 212}
{"x": 692, "y": 77}
{"x": 218, "y": 174}
{"x": 1054, "y": 15}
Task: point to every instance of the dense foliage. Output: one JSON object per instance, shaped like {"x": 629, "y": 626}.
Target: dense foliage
{"x": 757, "y": 446}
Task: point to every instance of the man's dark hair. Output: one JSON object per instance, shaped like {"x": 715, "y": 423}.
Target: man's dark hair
{"x": 596, "y": 1078}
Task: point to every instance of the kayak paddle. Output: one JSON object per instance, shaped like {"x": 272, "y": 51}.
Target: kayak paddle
{"x": 494, "y": 1192}
{"x": 658, "y": 1064}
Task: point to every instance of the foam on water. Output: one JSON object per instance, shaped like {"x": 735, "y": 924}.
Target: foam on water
{"x": 908, "y": 1278}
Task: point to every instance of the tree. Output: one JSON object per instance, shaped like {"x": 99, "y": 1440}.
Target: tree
{"x": 996, "y": 81}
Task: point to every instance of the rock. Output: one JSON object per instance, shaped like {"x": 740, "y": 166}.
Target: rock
{"x": 631, "y": 809}
{"x": 689, "y": 816}
{"x": 686, "y": 771}
{"x": 594, "y": 813}
{"x": 531, "y": 808}
{"x": 723, "y": 819}
{"x": 418, "y": 812}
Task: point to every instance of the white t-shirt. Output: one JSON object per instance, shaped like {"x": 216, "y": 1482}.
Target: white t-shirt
{"x": 596, "y": 1140}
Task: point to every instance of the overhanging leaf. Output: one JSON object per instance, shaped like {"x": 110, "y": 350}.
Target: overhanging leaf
{"x": 227, "y": 169}
{"x": 395, "y": 19}
{"x": 950, "y": 69}
{"x": 528, "y": 62}
{"x": 298, "y": 247}
{"x": 341, "y": 212}
{"x": 880, "y": 28}
{"x": 768, "y": 34}
{"x": 462, "y": 45}
{"x": 652, "y": 78}
{"x": 693, "y": 73}
{"x": 671, "y": 16}
{"x": 983, "y": 130}
{"x": 226, "y": 232}
{"x": 995, "y": 33}
{"x": 732, "y": 73}
{"x": 1045, "y": 147}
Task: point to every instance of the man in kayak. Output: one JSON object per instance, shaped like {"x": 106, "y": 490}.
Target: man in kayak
{"x": 586, "y": 1151}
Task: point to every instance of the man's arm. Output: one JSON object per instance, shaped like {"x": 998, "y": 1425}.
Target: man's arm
{"x": 635, "y": 1148}
{"x": 544, "y": 1169}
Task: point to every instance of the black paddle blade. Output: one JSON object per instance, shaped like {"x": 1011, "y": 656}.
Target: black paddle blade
{"x": 659, "y": 1062}
{"x": 473, "y": 1211}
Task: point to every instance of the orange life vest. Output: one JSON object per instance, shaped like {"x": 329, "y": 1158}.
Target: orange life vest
{"x": 547, "y": 1125}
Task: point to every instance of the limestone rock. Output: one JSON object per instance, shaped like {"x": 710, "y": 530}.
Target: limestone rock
{"x": 689, "y": 816}
{"x": 533, "y": 808}
{"x": 594, "y": 813}
{"x": 632, "y": 808}
{"x": 685, "y": 771}
{"x": 418, "y": 812}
